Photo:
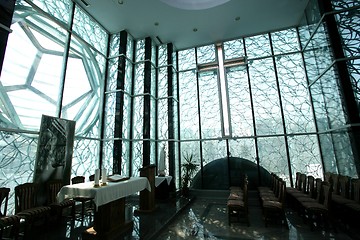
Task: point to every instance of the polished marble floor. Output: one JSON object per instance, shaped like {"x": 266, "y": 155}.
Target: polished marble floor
{"x": 203, "y": 216}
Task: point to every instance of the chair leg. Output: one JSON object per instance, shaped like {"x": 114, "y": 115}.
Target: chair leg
{"x": 82, "y": 211}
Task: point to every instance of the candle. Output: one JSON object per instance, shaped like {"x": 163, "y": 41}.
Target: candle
{"x": 103, "y": 176}
{"x": 97, "y": 176}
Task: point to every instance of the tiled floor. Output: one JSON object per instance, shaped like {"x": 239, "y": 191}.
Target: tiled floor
{"x": 203, "y": 217}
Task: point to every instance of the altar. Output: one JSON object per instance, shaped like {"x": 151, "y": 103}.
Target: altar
{"x": 162, "y": 186}
{"x": 109, "y": 200}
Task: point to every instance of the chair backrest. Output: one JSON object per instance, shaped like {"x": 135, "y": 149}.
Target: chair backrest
{"x": 317, "y": 191}
{"x": 303, "y": 183}
{"x": 311, "y": 186}
{"x": 53, "y": 187}
{"x": 344, "y": 186}
{"x": 245, "y": 192}
{"x": 282, "y": 195}
{"x": 4, "y": 197}
{"x": 297, "y": 180}
{"x": 356, "y": 189}
{"x": 78, "y": 179}
{"x": 335, "y": 182}
{"x": 25, "y": 196}
{"x": 327, "y": 176}
{"x": 326, "y": 192}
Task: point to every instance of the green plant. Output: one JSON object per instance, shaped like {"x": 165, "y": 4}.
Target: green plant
{"x": 189, "y": 167}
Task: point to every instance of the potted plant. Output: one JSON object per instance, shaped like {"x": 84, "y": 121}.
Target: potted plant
{"x": 189, "y": 167}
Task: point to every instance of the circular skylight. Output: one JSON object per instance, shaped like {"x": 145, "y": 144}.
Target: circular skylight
{"x": 194, "y": 5}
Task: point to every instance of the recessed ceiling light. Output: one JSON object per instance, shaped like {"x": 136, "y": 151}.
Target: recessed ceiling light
{"x": 85, "y": 3}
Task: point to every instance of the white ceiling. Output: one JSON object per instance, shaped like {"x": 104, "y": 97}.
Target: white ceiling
{"x": 139, "y": 18}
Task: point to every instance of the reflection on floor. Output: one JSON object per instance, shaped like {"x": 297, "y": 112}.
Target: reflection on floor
{"x": 203, "y": 217}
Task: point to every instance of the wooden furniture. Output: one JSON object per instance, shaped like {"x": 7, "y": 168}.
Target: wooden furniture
{"x": 147, "y": 198}
{"x": 162, "y": 186}
{"x": 109, "y": 200}
{"x": 83, "y": 200}
{"x": 12, "y": 221}
{"x": 273, "y": 207}
{"x": 26, "y": 205}
{"x": 318, "y": 212}
{"x": 237, "y": 204}
{"x": 53, "y": 187}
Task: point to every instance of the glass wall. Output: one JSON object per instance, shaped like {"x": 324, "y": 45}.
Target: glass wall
{"x": 268, "y": 102}
{"x": 50, "y": 70}
{"x": 328, "y": 83}
{"x": 273, "y": 100}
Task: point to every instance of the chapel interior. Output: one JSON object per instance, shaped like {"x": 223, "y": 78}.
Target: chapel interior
{"x": 170, "y": 119}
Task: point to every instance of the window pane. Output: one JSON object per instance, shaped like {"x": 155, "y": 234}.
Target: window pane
{"x": 294, "y": 94}
{"x": 240, "y": 102}
{"x": 233, "y": 49}
{"x": 209, "y": 105}
{"x": 36, "y": 78}
{"x": 258, "y": 46}
{"x": 265, "y": 97}
{"x": 90, "y": 31}
{"x": 187, "y": 59}
{"x": 285, "y": 41}
{"x": 206, "y": 54}
{"x": 189, "y": 117}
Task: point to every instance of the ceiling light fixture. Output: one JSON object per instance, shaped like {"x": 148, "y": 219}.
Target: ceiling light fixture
{"x": 194, "y": 5}
{"x": 85, "y": 3}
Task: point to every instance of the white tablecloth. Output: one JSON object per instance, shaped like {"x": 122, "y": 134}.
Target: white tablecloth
{"x": 159, "y": 180}
{"x": 104, "y": 194}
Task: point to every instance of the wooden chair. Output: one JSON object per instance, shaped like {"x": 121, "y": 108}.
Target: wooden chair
{"x": 92, "y": 177}
{"x": 11, "y": 221}
{"x": 238, "y": 207}
{"x": 319, "y": 212}
{"x": 352, "y": 209}
{"x": 26, "y": 205}
{"x": 274, "y": 209}
{"x": 83, "y": 200}
{"x": 53, "y": 187}
{"x": 237, "y": 192}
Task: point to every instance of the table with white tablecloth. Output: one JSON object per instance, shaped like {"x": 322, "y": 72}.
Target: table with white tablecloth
{"x": 162, "y": 186}
{"x": 109, "y": 200}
